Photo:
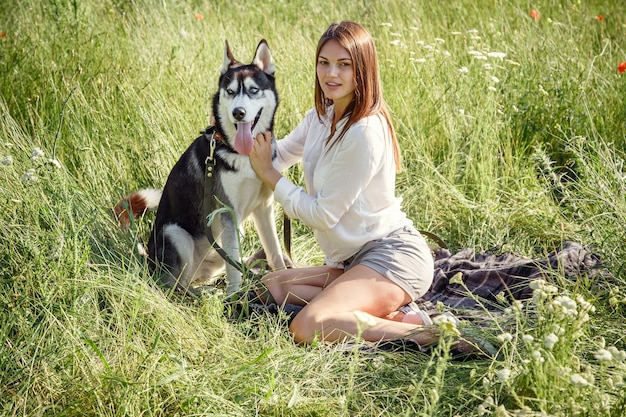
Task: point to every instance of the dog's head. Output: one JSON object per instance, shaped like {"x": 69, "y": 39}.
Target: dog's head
{"x": 246, "y": 100}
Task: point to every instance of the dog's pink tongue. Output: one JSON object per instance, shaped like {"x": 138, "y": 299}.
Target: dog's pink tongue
{"x": 244, "y": 139}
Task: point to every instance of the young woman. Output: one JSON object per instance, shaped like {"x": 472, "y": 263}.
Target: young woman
{"x": 376, "y": 261}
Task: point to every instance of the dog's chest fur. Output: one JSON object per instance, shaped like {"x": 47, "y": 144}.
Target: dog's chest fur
{"x": 238, "y": 184}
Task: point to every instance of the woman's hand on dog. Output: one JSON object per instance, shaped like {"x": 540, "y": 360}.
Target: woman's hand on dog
{"x": 261, "y": 160}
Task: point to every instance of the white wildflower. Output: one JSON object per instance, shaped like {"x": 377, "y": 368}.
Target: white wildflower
{"x": 584, "y": 304}
{"x": 550, "y": 340}
{"x": 395, "y": 42}
{"x": 444, "y": 318}
{"x": 472, "y": 31}
{"x": 386, "y": 24}
{"x": 618, "y": 355}
{"x": 30, "y": 176}
{"x": 497, "y": 55}
{"x": 492, "y": 88}
{"x": 463, "y": 70}
{"x": 37, "y": 153}
{"x": 439, "y": 40}
{"x": 367, "y": 320}
{"x": 55, "y": 162}
{"x": 501, "y": 411}
{"x": 515, "y": 64}
{"x": 578, "y": 380}
{"x": 456, "y": 33}
{"x": 7, "y": 160}
{"x": 566, "y": 304}
{"x": 487, "y": 66}
{"x": 457, "y": 279}
{"x": 489, "y": 401}
{"x": 504, "y": 337}
{"x": 618, "y": 381}
{"x": 495, "y": 79}
{"x": 474, "y": 53}
{"x": 434, "y": 395}
{"x": 503, "y": 374}
{"x": 603, "y": 355}
{"x": 536, "y": 355}
{"x": 541, "y": 289}
{"x": 419, "y": 60}
{"x": 447, "y": 323}
{"x": 481, "y": 410}
{"x": 528, "y": 338}
{"x": 550, "y": 289}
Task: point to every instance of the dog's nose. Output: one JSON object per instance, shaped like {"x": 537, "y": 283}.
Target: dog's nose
{"x": 239, "y": 113}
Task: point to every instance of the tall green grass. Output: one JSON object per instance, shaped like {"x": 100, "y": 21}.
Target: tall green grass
{"x": 517, "y": 151}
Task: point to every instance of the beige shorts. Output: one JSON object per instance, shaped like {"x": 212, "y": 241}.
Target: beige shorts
{"x": 403, "y": 257}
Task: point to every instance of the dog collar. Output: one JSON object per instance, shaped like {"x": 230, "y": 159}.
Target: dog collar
{"x": 212, "y": 133}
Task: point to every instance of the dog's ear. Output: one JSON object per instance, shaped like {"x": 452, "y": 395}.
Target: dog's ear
{"x": 263, "y": 58}
{"x": 229, "y": 60}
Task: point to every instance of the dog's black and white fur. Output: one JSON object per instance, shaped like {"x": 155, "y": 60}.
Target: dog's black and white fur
{"x": 178, "y": 249}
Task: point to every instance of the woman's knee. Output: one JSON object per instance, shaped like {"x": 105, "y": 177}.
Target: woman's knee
{"x": 275, "y": 285}
{"x": 304, "y": 328}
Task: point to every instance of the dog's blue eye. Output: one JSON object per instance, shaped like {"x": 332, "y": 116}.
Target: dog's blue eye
{"x": 253, "y": 90}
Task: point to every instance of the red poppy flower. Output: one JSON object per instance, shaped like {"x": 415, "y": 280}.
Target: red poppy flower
{"x": 621, "y": 67}
{"x": 535, "y": 14}
{"x": 599, "y": 17}
{"x": 199, "y": 16}
{"x": 3, "y": 35}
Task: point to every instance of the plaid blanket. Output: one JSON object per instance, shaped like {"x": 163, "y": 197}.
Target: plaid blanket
{"x": 468, "y": 280}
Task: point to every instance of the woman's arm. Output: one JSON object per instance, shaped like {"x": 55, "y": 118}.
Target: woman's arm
{"x": 261, "y": 160}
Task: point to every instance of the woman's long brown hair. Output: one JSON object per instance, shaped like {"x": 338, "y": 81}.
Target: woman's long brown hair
{"x": 368, "y": 95}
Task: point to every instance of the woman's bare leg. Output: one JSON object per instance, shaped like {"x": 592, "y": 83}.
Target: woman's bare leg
{"x": 299, "y": 285}
{"x": 330, "y": 314}
{"x": 331, "y": 297}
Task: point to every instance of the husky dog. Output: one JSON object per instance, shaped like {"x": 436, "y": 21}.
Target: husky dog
{"x": 178, "y": 250}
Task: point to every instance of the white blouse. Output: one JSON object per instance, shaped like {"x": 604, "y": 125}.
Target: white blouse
{"x": 350, "y": 198}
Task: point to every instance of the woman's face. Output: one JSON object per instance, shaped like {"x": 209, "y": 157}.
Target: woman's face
{"x": 335, "y": 73}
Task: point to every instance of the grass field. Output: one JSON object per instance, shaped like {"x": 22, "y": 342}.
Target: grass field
{"x": 513, "y": 130}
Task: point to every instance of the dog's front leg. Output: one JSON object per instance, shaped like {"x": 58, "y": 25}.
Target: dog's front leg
{"x": 230, "y": 244}
{"x": 265, "y": 224}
